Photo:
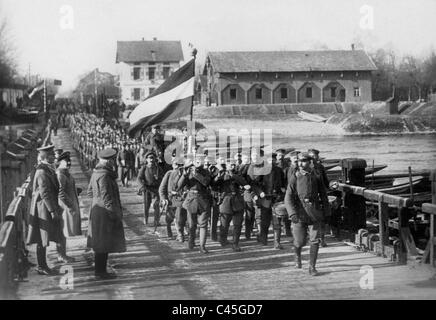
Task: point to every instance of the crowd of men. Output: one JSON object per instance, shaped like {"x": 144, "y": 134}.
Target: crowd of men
{"x": 197, "y": 193}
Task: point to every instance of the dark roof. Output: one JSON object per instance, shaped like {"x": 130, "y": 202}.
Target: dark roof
{"x": 141, "y": 51}
{"x": 291, "y": 61}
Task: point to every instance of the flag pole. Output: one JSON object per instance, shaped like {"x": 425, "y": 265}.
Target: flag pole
{"x": 191, "y": 122}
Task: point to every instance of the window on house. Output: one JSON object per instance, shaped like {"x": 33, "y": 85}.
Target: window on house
{"x": 150, "y": 90}
{"x": 309, "y": 92}
{"x": 166, "y": 72}
{"x": 233, "y": 94}
{"x": 258, "y": 93}
{"x": 284, "y": 93}
{"x": 151, "y": 71}
{"x": 356, "y": 91}
{"x": 136, "y": 73}
{"x": 333, "y": 92}
{"x": 136, "y": 93}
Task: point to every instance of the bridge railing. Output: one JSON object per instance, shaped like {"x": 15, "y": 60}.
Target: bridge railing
{"x": 13, "y": 230}
{"x": 380, "y": 242}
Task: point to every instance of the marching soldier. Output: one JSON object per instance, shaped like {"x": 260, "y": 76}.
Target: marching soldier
{"x": 215, "y": 195}
{"x": 45, "y": 213}
{"x": 149, "y": 178}
{"x": 197, "y": 203}
{"x": 231, "y": 204}
{"x": 321, "y": 172}
{"x": 122, "y": 159}
{"x": 69, "y": 201}
{"x": 307, "y": 204}
{"x": 106, "y": 232}
{"x": 173, "y": 199}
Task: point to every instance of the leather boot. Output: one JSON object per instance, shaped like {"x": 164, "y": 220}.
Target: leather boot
{"x": 298, "y": 264}
{"x": 169, "y": 231}
{"x": 288, "y": 231}
{"x": 312, "y": 259}
{"x": 236, "y": 236}
{"x": 191, "y": 242}
{"x": 203, "y": 235}
{"x": 277, "y": 236}
{"x": 223, "y": 236}
{"x": 180, "y": 236}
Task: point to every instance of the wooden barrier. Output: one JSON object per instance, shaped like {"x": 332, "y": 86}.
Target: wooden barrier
{"x": 404, "y": 205}
{"x": 13, "y": 256}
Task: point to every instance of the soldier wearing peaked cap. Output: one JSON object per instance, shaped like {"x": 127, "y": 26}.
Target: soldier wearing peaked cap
{"x": 307, "y": 204}
{"x": 321, "y": 172}
{"x": 106, "y": 231}
{"x": 150, "y": 177}
{"x": 69, "y": 201}
{"x": 173, "y": 199}
{"x": 44, "y": 208}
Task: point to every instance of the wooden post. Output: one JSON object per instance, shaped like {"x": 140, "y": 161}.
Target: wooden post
{"x": 383, "y": 217}
{"x": 432, "y": 226}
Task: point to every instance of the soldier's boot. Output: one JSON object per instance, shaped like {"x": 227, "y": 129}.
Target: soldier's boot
{"x": 203, "y": 236}
{"x": 223, "y": 236}
{"x": 288, "y": 230}
{"x": 61, "y": 249}
{"x": 169, "y": 231}
{"x": 180, "y": 235}
{"x": 323, "y": 243}
{"x": 191, "y": 242}
{"x": 312, "y": 259}
{"x": 41, "y": 256}
{"x": 277, "y": 236}
{"x": 236, "y": 236}
{"x": 298, "y": 264}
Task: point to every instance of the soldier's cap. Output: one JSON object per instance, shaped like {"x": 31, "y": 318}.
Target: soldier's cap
{"x": 179, "y": 160}
{"x": 304, "y": 156}
{"x": 313, "y": 151}
{"x": 149, "y": 154}
{"x": 65, "y": 156}
{"x": 294, "y": 153}
{"x": 107, "y": 153}
{"x": 46, "y": 148}
{"x": 282, "y": 151}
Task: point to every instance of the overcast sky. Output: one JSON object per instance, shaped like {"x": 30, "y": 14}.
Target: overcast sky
{"x": 42, "y": 37}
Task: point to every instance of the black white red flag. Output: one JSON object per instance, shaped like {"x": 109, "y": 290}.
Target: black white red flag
{"x": 171, "y": 100}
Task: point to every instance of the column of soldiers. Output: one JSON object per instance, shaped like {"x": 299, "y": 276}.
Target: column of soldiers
{"x": 289, "y": 188}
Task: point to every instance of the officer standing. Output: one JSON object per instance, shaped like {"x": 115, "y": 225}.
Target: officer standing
{"x": 69, "y": 201}
{"x": 173, "y": 199}
{"x": 149, "y": 178}
{"x": 45, "y": 213}
{"x": 232, "y": 204}
{"x": 197, "y": 203}
{"x": 307, "y": 204}
{"x": 106, "y": 231}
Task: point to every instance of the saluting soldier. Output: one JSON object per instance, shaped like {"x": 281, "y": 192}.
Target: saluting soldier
{"x": 232, "y": 204}
{"x": 197, "y": 203}
{"x": 173, "y": 199}
{"x": 106, "y": 231}
{"x": 69, "y": 201}
{"x": 307, "y": 204}
{"x": 45, "y": 213}
{"x": 150, "y": 177}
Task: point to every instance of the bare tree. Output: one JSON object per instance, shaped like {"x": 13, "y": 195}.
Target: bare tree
{"x": 8, "y": 65}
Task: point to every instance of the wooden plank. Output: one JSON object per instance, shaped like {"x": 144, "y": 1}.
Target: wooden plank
{"x": 383, "y": 225}
{"x": 5, "y": 232}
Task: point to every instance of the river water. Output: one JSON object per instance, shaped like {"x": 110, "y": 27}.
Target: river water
{"x": 398, "y": 151}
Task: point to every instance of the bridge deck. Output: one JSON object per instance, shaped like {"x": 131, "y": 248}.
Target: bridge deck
{"x": 156, "y": 268}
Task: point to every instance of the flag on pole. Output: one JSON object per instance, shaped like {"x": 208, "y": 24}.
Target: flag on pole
{"x": 36, "y": 89}
{"x": 171, "y": 100}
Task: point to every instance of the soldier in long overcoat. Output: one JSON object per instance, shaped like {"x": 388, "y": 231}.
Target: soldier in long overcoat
{"x": 69, "y": 201}
{"x": 307, "y": 205}
{"x": 45, "y": 212}
{"x": 106, "y": 232}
